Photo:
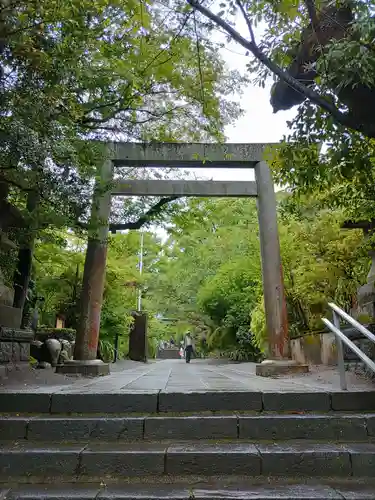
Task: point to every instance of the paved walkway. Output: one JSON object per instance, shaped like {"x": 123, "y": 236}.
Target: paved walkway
{"x": 177, "y": 376}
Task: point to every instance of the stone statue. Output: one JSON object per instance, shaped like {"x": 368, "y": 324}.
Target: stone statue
{"x": 30, "y": 311}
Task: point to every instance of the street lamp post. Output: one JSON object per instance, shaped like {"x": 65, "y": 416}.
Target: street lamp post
{"x": 139, "y": 298}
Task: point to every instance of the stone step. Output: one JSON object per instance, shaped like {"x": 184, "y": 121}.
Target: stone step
{"x": 332, "y": 427}
{"x": 200, "y": 491}
{"x": 84, "y": 401}
{"x": 108, "y": 460}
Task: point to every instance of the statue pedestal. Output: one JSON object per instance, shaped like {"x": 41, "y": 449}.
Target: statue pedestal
{"x": 14, "y": 342}
{"x": 15, "y": 345}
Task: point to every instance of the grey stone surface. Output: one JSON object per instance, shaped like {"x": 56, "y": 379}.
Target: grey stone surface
{"x": 188, "y": 155}
{"x": 71, "y": 428}
{"x": 283, "y": 427}
{"x": 120, "y": 402}
{"x": 161, "y": 187}
{"x": 209, "y": 401}
{"x": 275, "y": 369}
{"x": 24, "y": 402}
{"x": 10, "y": 316}
{"x": 355, "y": 401}
{"x": 146, "y": 491}
{"x": 216, "y": 491}
{"x": 24, "y": 351}
{"x": 210, "y": 490}
{"x": 175, "y": 376}
{"x": 363, "y": 459}
{"x": 6, "y": 352}
{"x": 86, "y": 370}
{"x": 213, "y": 459}
{"x": 296, "y": 401}
{"x": 370, "y": 424}
{"x": 357, "y": 492}
{"x": 52, "y": 492}
{"x": 4, "y": 493}
{"x": 286, "y": 459}
{"x": 128, "y": 460}
{"x": 191, "y": 427}
{"x": 21, "y": 461}
{"x": 13, "y": 428}
{"x": 269, "y": 492}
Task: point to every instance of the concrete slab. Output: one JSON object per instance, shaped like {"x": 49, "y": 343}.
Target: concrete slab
{"x": 297, "y": 459}
{"x": 271, "y": 368}
{"x": 30, "y": 391}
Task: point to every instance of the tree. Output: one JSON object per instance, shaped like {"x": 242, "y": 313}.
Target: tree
{"x": 58, "y": 275}
{"x": 314, "y": 56}
{"x": 209, "y": 274}
{"x": 71, "y": 73}
{"x": 321, "y": 263}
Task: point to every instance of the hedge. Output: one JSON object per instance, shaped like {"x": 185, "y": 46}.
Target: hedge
{"x": 45, "y": 333}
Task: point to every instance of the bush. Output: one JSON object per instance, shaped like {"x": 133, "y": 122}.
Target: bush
{"x": 43, "y": 334}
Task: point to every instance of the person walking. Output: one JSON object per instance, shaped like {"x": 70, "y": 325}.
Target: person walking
{"x": 188, "y": 347}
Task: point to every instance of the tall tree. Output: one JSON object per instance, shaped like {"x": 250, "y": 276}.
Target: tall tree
{"x": 304, "y": 45}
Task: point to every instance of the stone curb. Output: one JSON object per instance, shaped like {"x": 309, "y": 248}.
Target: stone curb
{"x": 174, "y": 492}
{"x": 164, "y": 402}
{"x": 277, "y": 460}
{"x": 267, "y": 427}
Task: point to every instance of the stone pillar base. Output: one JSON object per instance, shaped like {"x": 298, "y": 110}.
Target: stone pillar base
{"x": 87, "y": 368}
{"x": 273, "y": 368}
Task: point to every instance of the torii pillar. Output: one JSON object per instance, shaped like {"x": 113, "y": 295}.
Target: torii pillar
{"x": 277, "y": 361}
{"x": 85, "y": 360}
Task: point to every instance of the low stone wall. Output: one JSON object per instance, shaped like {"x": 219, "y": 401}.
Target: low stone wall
{"x": 314, "y": 349}
{"x": 169, "y": 353}
{"x": 15, "y": 345}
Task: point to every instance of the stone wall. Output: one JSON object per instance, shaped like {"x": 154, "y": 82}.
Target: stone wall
{"x": 169, "y": 353}
{"x": 15, "y": 345}
{"x": 314, "y": 349}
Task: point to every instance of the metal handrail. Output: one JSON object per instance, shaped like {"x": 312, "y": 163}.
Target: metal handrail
{"x": 352, "y": 321}
{"x": 341, "y": 337}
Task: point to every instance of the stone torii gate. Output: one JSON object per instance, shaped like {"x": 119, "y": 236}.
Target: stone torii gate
{"x": 177, "y": 155}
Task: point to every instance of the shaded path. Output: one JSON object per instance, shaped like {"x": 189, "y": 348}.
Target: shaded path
{"x": 177, "y": 376}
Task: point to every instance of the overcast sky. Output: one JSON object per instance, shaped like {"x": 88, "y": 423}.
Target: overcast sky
{"x": 259, "y": 123}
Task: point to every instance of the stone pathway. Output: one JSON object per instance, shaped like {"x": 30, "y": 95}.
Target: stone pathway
{"x": 177, "y": 376}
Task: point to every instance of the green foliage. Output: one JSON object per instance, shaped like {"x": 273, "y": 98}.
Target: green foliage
{"x": 258, "y": 326}
{"x": 211, "y": 269}
{"x": 77, "y": 71}
{"x": 107, "y": 350}
{"x": 45, "y": 333}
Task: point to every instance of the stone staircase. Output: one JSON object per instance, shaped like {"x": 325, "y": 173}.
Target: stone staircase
{"x": 196, "y": 445}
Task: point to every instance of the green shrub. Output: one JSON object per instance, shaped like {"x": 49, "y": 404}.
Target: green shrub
{"x": 43, "y": 334}
{"x": 107, "y": 351}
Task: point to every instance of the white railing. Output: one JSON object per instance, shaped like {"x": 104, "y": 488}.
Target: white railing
{"x": 342, "y": 338}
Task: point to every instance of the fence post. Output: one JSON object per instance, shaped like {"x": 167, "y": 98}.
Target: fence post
{"x": 340, "y": 354}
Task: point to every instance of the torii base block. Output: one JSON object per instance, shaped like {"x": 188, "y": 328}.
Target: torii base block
{"x": 87, "y": 368}
{"x": 274, "y": 368}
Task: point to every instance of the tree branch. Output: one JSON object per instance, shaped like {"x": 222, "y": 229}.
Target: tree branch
{"x": 341, "y": 118}
{"x": 310, "y": 5}
{"x": 146, "y": 217}
{"x": 248, "y": 21}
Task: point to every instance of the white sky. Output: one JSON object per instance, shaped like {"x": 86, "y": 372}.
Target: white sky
{"x": 259, "y": 123}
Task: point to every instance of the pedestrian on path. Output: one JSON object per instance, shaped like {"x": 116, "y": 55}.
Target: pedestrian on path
{"x": 188, "y": 347}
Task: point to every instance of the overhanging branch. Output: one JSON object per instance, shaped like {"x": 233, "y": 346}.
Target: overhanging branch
{"x": 145, "y": 218}
{"x": 341, "y": 118}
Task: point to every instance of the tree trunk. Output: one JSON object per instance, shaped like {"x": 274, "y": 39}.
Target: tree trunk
{"x": 25, "y": 257}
